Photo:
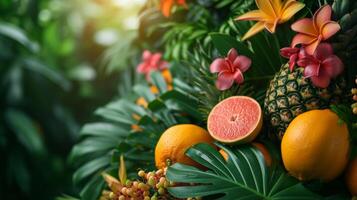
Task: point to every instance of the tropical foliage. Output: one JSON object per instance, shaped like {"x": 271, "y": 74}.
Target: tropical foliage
{"x": 49, "y": 84}
{"x": 243, "y": 176}
{"x": 63, "y": 61}
{"x": 190, "y": 39}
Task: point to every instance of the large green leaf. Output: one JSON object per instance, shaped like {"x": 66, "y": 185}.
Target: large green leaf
{"x": 50, "y": 73}
{"x": 26, "y": 131}
{"x": 243, "y": 176}
{"x": 18, "y": 35}
{"x": 90, "y": 168}
{"x": 93, "y": 188}
{"x": 66, "y": 197}
{"x": 224, "y": 43}
{"x": 104, "y": 129}
{"x": 174, "y": 100}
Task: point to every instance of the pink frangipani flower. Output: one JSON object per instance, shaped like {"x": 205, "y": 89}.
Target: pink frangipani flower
{"x": 151, "y": 62}
{"x": 230, "y": 69}
{"x": 313, "y": 31}
{"x": 293, "y": 54}
{"x": 322, "y": 66}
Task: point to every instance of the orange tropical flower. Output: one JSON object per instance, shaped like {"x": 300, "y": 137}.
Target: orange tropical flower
{"x": 166, "y": 5}
{"x": 312, "y": 31}
{"x": 270, "y": 14}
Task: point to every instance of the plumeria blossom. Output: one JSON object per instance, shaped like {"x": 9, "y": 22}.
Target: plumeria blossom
{"x": 230, "y": 69}
{"x": 151, "y": 62}
{"x": 312, "y": 31}
{"x": 166, "y": 6}
{"x": 270, "y": 14}
{"x": 322, "y": 66}
{"x": 293, "y": 54}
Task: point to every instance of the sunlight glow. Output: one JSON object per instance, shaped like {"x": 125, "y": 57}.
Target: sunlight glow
{"x": 128, "y": 3}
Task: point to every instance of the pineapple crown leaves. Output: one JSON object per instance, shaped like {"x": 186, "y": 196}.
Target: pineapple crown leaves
{"x": 244, "y": 174}
{"x": 345, "y": 11}
{"x": 345, "y": 42}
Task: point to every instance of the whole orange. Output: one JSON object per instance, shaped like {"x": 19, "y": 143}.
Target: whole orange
{"x": 174, "y": 142}
{"x": 257, "y": 145}
{"x": 351, "y": 177}
{"x": 316, "y": 146}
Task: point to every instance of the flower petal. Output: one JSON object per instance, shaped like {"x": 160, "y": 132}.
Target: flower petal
{"x": 333, "y": 66}
{"x": 142, "y": 68}
{"x": 302, "y": 53}
{"x": 232, "y": 54}
{"x": 166, "y": 6}
{"x": 155, "y": 58}
{"x": 311, "y": 70}
{"x": 271, "y": 26}
{"x": 323, "y": 51}
{"x": 243, "y": 63}
{"x": 287, "y": 52}
{"x": 310, "y": 48}
{"x": 322, "y": 15}
{"x": 163, "y": 65}
{"x": 277, "y": 5}
{"x": 292, "y": 62}
{"x": 266, "y": 7}
{"x": 146, "y": 55}
{"x": 307, "y": 60}
{"x": 321, "y": 81}
{"x": 259, "y": 26}
{"x": 305, "y": 26}
{"x": 255, "y": 15}
{"x": 302, "y": 39}
{"x": 238, "y": 77}
{"x": 224, "y": 80}
{"x": 218, "y": 65}
{"x": 290, "y": 8}
{"x": 329, "y": 29}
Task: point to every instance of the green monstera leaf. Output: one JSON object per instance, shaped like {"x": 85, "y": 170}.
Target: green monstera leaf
{"x": 243, "y": 176}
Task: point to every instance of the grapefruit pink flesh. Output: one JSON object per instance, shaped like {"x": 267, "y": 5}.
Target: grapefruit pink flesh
{"x": 237, "y": 119}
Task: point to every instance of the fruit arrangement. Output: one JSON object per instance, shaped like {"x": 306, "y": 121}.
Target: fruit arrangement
{"x": 231, "y": 109}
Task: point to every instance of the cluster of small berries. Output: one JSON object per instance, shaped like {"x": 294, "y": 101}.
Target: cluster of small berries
{"x": 150, "y": 186}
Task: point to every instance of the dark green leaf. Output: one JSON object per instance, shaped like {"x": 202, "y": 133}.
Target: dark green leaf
{"x": 90, "y": 168}
{"x": 25, "y": 131}
{"x": 243, "y": 176}
{"x": 18, "y": 35}
{"x": 159, "y": 81}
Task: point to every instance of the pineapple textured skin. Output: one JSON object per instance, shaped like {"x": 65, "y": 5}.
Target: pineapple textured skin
{"x": 290, "y": 94}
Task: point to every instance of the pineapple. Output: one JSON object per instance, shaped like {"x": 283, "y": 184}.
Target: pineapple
{"x": 290, "y": 94}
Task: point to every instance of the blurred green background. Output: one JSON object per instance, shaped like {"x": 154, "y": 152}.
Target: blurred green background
{"x": 59, "y": 60}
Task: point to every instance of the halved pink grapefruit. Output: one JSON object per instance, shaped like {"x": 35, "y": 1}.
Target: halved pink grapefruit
{"x": 237, "y": 119}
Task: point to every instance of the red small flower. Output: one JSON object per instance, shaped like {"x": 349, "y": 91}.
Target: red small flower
{"x": 151, "y": 62}
{"x": 322, "y": 66}
{"x": 230, "y": 69}
{"x": 293, "y": 54}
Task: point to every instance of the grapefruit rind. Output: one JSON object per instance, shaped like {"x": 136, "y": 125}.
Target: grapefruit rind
{"x": 250, "y": 135}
